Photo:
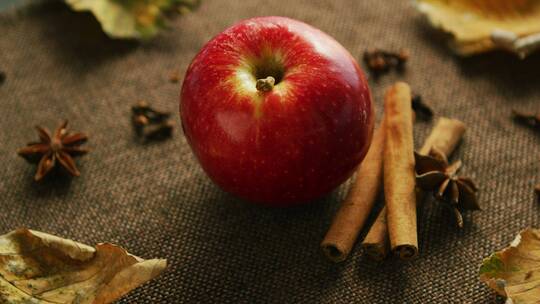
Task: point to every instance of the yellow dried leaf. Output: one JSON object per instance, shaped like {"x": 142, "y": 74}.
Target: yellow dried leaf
{"x": 483, "y": 25}
{"x": 514, "y": 272}
{"x": 36, "y": 267}
{"x": 131, "y": 19}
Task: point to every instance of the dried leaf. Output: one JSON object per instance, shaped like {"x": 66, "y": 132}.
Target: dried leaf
{"x": 514, "y": 272}
{"x": 36, "y": 267}
{"x": 139, "y": 19}
{"x": 484, "y": 25}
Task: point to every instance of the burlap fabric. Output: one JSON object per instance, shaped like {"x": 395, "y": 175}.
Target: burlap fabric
{"x": 156, "y": 201}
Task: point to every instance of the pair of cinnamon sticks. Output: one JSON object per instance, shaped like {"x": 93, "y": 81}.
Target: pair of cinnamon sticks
{"x": 389, "y": 163}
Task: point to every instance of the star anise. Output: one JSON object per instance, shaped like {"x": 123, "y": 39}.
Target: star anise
{"x": 435, "y": 174}
{"x": 60, "y": 148}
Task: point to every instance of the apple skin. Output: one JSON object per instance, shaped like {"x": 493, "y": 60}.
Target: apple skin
{"x": 289, "y": 145}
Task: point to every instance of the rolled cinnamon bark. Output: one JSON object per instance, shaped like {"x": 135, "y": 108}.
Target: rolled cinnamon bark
{"x": 354, "y": 211}
{"x": 445, "y": 136}
{"x": 398, "y": 172}
{"x": 376, "y": 244}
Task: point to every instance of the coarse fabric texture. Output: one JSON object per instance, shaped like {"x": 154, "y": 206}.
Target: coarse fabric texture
{"x": 156, "y": 201}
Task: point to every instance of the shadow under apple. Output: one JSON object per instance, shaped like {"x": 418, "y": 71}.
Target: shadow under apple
{"x": 245, "y": 249}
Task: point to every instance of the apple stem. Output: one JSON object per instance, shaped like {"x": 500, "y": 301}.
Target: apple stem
{"x": 266, "y": 84}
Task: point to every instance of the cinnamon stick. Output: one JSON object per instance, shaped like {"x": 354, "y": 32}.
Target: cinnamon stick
{"x": 398, "y": 172}
{"x": 376, "y": 244}
{"x": 354, "y": 211}
{"x": 445, "y": 136}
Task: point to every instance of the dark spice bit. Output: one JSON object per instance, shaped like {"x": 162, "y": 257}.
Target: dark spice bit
{"x": 159, "y": 132}
{"x": 435, "y": 174}
{"x": 60, "y": 148}
{"x": 151, "y": 124}
{"x": 2, "y": 77}
{"x": 380, "y": 61}
{"x": 527, "y": 118}
{"x": 174, "y": 77}
{"x": 499, "y": 299}
{"x": 422, "y": 110}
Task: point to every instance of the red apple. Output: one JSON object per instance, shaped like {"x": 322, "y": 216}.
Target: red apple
{"x": 276, "y": 111}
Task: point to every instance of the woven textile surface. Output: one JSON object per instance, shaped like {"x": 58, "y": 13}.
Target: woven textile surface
{"x": 155, "y": 200}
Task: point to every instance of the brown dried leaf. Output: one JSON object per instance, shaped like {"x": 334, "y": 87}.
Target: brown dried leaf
{"x": 36, "y": 267}
{"x": 514, "y": 272}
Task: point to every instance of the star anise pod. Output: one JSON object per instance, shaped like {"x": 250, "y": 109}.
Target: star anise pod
{"x": 60, "y": 148}
{"x": 435, "y": 174}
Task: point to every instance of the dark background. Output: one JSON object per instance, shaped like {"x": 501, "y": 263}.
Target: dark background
{"x": 155, "y": 201}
